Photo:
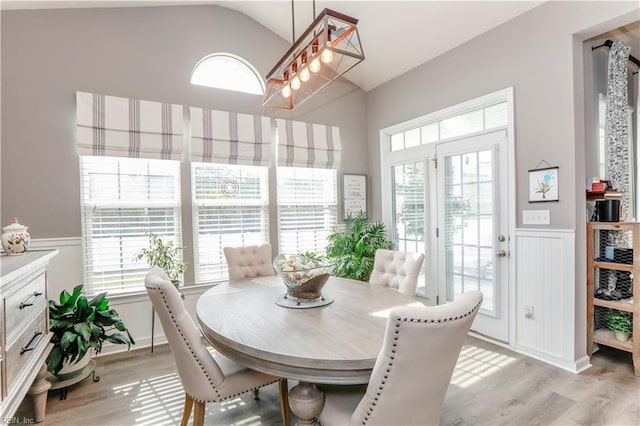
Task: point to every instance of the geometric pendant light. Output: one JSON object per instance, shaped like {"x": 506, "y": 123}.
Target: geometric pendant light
{"x": 326, "y": 50}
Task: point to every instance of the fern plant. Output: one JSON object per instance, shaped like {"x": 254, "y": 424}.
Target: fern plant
{"x": 352, "y": 250}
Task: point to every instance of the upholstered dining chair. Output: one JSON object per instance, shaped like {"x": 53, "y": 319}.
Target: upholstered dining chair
{"x": 397, "y": 270}
{"x": 249, "y": 261}
{"x": 413, "y": 369}
{"x": 205, "y": 377}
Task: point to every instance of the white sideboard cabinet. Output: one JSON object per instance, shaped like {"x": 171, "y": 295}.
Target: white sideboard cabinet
{"x": 24, "y": 332}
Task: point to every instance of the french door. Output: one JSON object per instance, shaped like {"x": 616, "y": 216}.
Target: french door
{"x": 472, "y": 226}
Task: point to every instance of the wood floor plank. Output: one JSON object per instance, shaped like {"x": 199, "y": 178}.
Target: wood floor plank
{"x": 491, "y": 386}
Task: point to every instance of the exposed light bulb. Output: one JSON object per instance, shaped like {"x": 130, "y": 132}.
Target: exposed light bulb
{"x": 286, "y": 91}
{"x": 305, "y": 75}
{"x": 295, "y": 83}
{"x": 314, "y": 66}
{"x": 327, "y": 56}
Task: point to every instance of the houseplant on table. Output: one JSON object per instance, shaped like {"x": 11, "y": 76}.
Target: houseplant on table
{"x": 621, "y": 323}
{"x": 167, "y": 256}
{"x": 79, "y": 324}
{"x": 353, "y": 249}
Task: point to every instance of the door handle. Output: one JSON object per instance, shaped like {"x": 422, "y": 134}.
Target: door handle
{"x": 501, "y": 253}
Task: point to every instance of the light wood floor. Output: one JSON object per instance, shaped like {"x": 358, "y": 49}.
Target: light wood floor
{"x": 491, "y": 386}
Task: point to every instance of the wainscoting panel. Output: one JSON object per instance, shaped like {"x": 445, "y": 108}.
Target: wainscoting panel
{"x": 65, "y": 272}
{"x": 545, "y": 296}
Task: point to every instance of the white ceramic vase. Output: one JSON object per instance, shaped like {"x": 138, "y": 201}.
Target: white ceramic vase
{"x": 15, "y": 238}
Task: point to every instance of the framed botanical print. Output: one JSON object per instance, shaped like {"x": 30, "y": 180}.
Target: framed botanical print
{"x": 543, "y": 185}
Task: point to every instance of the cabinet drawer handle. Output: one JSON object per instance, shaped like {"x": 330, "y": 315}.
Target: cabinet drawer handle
{"x": 29, "y": 347}
{"x": 30, "y": 300}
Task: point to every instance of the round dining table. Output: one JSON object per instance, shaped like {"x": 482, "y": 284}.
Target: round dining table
{"x": 333, "y": 344}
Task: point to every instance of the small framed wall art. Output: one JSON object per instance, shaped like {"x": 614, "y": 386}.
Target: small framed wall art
{"x": 543, "y": 185}
{"x": 354, "y": 194}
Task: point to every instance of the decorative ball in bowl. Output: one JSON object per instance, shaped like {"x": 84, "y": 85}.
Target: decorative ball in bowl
{"x": 304, "y": 277}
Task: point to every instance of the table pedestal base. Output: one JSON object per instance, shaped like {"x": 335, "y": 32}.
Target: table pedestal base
{"x": 306, "y": 402}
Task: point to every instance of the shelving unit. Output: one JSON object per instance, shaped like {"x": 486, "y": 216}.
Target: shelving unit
{"x": 624, "y": 271}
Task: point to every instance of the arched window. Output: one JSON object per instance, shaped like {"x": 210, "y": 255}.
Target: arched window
{"x": 227, "y": 71}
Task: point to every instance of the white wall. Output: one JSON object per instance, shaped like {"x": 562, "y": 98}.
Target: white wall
{"x": 144, "y": 53}
{"x": 540, "y": 54}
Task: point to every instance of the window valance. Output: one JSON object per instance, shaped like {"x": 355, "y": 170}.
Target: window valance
{"x": 303, "y": 144}
{"x": 123, "y": 127}
{"x": 230, "y": 137}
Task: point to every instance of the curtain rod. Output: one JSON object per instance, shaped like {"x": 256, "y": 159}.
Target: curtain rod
{"x": 609, "y": 43}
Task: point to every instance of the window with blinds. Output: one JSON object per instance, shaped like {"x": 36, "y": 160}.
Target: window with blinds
{"x": 307, "y": 208}
{"x": 486, "y": 118}
{"x": 122, "y": 201}
{"x": 230, "y": 208}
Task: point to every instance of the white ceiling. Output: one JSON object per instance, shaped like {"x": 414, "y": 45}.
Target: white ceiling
{"x": 396, "y": 35}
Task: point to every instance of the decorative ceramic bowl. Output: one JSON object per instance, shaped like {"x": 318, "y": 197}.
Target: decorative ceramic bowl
{"x": 304, "y": 277}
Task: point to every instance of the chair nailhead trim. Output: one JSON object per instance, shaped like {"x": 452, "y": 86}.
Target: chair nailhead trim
{"x": 393, "y": 351}
{"x": 219, "y": 398}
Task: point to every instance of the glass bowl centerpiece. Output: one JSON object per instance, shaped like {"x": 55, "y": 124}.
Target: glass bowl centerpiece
{"x": 303, "y": 276}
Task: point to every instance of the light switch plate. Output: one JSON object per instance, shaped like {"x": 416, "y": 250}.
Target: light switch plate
{"x": 536, "y": 217}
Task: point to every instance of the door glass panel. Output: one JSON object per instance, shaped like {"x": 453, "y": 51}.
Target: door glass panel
{"x": 469, "y": 224}
{"x": 409, "y": 211}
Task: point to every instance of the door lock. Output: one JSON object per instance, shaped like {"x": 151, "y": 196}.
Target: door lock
{"x": 502, "y": 238}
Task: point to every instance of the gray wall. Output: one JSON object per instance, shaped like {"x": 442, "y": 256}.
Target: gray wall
{"x": 146, "y": 53}
{"x": 533, "y": 53}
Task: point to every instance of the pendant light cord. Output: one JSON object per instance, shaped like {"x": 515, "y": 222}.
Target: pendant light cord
{"x": 293, "y": 24}
{"x": 293, "y": 20}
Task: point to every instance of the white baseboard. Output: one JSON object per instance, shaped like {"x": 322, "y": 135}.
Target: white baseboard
{"x": 575, "y": 367}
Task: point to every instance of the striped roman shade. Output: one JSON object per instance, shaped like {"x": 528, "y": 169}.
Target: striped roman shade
{"x": 123, "y": 127}
{"x": 303, "y": 144}
{"x": 230, "y": 137}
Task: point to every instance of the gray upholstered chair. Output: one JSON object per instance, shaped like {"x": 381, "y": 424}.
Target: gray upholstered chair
{"x": 413, "y": 369}
{"x": 249, "y": 261}
{"x": 397, "y": 270}
{"x": 205, "y": 377}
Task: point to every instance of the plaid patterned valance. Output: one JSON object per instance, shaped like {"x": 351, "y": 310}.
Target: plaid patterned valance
{"x": 230, "y": 137}
{"x": 308, "y": 145}
{"x": 122, "y": 127}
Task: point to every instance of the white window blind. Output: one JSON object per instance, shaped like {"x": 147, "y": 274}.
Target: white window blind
{"x": 122, "y": 200}
{"x": 490, "y": 117}
{"x": 230, "y": 208}
{"x": 307, "y": 208}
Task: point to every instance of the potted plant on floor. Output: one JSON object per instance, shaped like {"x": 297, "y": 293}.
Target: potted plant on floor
{"x": 167, "y": 256}
{"x": 78, "y": 325}
{"x": 621, "y": 323}
{"x": 353, "y": 249}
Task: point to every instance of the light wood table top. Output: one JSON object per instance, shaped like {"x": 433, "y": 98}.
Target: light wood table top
{"x": 334, "y": 344}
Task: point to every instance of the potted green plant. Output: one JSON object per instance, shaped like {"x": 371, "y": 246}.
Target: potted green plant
{"x": 352, "y": 250}
{"x": 167, "y": 256}
{"x": 621, "y": 323}
{"x": 79, "y": 324}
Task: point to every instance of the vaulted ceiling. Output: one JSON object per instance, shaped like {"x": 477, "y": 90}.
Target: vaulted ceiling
{"x": 396, "y": 35}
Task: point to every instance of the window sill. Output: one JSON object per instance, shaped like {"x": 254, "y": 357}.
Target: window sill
{"x": 137, "y": 297}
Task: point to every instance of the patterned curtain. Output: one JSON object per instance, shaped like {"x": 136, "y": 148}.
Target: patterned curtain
{"x": 123, "y": 127}
{"x": 617, "y": 139}
{"x": 311, "y": 145}
{"x": 230, "y": 137}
